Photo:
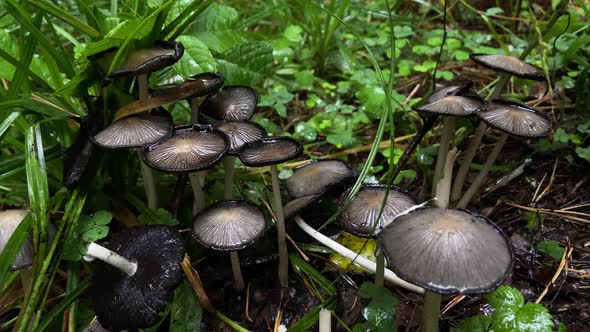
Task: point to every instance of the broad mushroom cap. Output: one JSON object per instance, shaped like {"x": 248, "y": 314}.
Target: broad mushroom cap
{"x": 147, "y": 60}
{"x": 317, "y": 176}
{"x": 447, "y": 251}
{"x": 360, "y": 216}
{"x": 270, "y": 151}
{"x": 510, "y": 65}
{"x": 9, "y": 221}
{"x": 200, "y": 85}
{"x": 516, "y": 118}
{"x": 229, "y": 225}
{"x": 453, "y": 90}
{"x": 135, "y": 130}
{"x": 124, "y": 302}
{"x": 189, "y": 149}
{"x": 240, "y": 133}
{"x": 453, "y": 105}
{"x": 230, "y": 103}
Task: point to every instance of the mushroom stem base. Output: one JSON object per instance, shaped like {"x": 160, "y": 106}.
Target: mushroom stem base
{"x": 325, "y": 320}
{"x": 431, "y": 312}
{"x": 110, "y": 257}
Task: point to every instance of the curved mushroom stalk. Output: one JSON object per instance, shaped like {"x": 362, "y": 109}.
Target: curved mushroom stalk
{"x": 361, "y": 261}
{"x": 96, "y": 251}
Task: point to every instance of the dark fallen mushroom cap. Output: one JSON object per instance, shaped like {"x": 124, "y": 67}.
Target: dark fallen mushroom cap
{"x": 229, "y": 225}
{"x": 360, "y": 216}
{"x": 124, "y": 302}
{"x": 317, "y": 176}
{"x": 9, "y": 221}
{"x": 509, "y": 64}
{"x": 516, "y": 118}
{"x": 189, "y": 149}
{"x": 270, "y": 151}
{"x": 240, "y": 133}
{"x": 135, "y": 130}
{"x": 200, "y": 85}
{"x": 230, "y": 103}
{"x": 447, "y": 251}
{"x": 453, "y": 105}
{"x": 295, "y": 206}
{"x": 78, "y": 156}
{"x": 147, "y": 60}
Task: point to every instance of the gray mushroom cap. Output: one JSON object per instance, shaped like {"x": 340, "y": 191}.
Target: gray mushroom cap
{"x": 447, "y": 251}
{"x": 230, "y": 103}
{"x": 516, "y": 118}
{"x": 240, "y": 133}
{"x": 229, "y": 225}
{"x": 316, "y": 176}
{"x": 360, "y": 216}
{"x": 270, "y": 151}
{"x": 9, "y": 221}
{"x": 147, "y": 60}
{"x": 442, "y": 92}
{"x": 135, "y": 131}
{"x": 453, "y": 105}
{"x": 509, "y": 64}
{"x": 189, "y": 149}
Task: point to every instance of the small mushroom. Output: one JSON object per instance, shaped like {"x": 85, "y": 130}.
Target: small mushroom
{"x": 132, "y": 293}
{"x": 446, "y": 251}
{"x": 511, "y": 118}
{"x": 149, "y": 60}
{"x": 317, "y": 176}
{"x": 273, "y": 151}
{"x": 229, "y": 225}
{"x": 509, "y": 65}
{"x": 230, "y": 103}
{"x": 9, "y": 221}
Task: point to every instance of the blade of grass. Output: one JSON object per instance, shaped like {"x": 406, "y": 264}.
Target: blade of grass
{"x": 63, "y": 15}
{"x": 186, "y": 23}
{"x": 12, "y": 247}
{"x": 310, "y": 319}
{"x": 7, "y": 123}
{"x": 19, "y": 78}
{"x": 58, "y": 310}
{"x": 300, "y": 265}
{"x": 197, "y": 6}
{"x": 17, "y": 64}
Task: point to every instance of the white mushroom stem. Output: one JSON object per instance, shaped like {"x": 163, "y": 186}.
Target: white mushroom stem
{"x": 443, "y": 187}
{"x": 358, "y": 260}
{"x": 96, "y": 251}
{"x": 487, "y": 166}
{"x": 149, "y": 184}
{"x": 237, "y": 271}
{"x": 325, "y": 320}
{"x": 445, "y": 140}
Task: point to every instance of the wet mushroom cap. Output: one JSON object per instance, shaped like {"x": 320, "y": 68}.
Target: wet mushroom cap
{"x": 317, "y": 176}
{"x": 453, "y": 90}
{"x": 229, "y": 225}
{"x": 143, "y": 61}
{"x": 202, "y": 85}
{"x": 447, "y": 251}
{"x": 516, "y": 118}
{"x": 230, "y": 103}
{"x": 240, "y": 133}
{"x": 189, "y": 149}
{"x": 270, "y": 151}
{"x": 510, "y": 65}
{"x": 360, "y": 216}
{"x": 453, "y": 105}
{"x": 135, "y": 130}
{"x": 124, "y": 302}
{"x": 9, "y": 221}
{"x": 299, "y": 204}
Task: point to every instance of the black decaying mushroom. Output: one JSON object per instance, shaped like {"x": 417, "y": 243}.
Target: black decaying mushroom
{"x": 229, "y": 225}
{"x": 273, "y": 151}
{"x": 133, "y": 298}
{"x": 317, "y": 176}
{"x": 446, "y": 251}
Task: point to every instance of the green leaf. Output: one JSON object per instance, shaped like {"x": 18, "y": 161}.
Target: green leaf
{"x": 505, "y": 297}
{"x": 479, "y": 323}
{"x": 364, "y": 247}
{"x": 561, "y": 136}
{"x": 217, "y": 28}
{"x": 102, "y": 217}
{"x": 583, "y": 153}
{"x": 493, "y": 11}
{"x": 248, "y": 63}
{"x": 373, "y": 99}
{"x": 186, "y": 311}
{"x": 532, "y": 317}
{"x": 196, "y": 59}
{"x": 293, "y": 33}
{"x": 305, "y": 131}
{"x": 66, "y": 17}
{"x": 409, "y": 174}
{"x": 551, "y": 248}
{"x": 380, "y": 312}
{"x": 277, "y": 98}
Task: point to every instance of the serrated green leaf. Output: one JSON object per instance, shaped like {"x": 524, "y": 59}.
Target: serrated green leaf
{"x": 479, "y": 323}
{"x": 380, "y": 313}
{"x": 532, "y": 317}
{"x": 505, "y": 297}
{"x": 216, "y": 27}
{"x": 248, "y": 63}
{"x": 186, "y": 311}
{"x": 196, "y": 59}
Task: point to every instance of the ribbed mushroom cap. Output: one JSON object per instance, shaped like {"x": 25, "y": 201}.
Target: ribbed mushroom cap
{"x": 189, "y": 149}
{"x": 360, "y": 216}
{"x": 453, "y": 90}
{"x": 295, "y": 206}
{"x": 316, "y": 176}
{"x": 143, "y": 61}
{"x": 124, "y": 302}
{"x": 270, "y": 151}
{"x": 229, "y": 225}
{"x": 453, "y": 105}
{"x": 230, "y": 103}
{"x": 9, "y": 221}
{"x": 447, "y": 251}
{"x": 516, "y": 118}
{"x": 202, "y": 84}
{"x": 240, "y": 133}
{"x": 135, "y": 130}
{"x": 509, "y": 64}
